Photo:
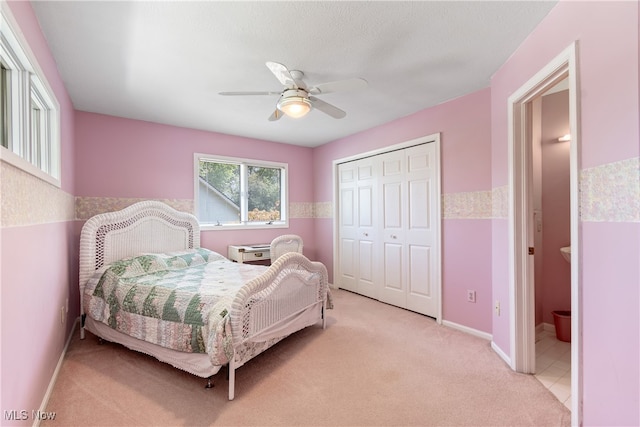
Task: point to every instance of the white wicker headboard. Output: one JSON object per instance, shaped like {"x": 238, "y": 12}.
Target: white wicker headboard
{"x": 143, "y": 227}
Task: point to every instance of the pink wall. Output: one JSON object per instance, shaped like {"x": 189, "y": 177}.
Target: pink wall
{"x": 607, "y": 33}
{"x": 611, "y": 323}
{"x": 465, "y": 129}
{"x": 467, "y": 265}
{"x": 464, "y": 124}
{"x": 33, "y": 337}
{"x": 125, "y": 158}
{"x": 556, "y": 228}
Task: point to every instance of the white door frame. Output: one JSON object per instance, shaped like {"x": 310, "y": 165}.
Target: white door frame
{"x": 431, "y": 139}
{"x": 521, "y": 285}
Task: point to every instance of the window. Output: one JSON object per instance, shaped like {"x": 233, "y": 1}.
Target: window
{"x": 4, "y": 107}
{"x": 240, "y": 193}
{"x": 29, "y": 111}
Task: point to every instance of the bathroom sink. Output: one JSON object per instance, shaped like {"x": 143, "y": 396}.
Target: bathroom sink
{"x": 566, "y": 253}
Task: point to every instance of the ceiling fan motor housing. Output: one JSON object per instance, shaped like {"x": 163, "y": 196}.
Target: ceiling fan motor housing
{"x": 292, "y": 98}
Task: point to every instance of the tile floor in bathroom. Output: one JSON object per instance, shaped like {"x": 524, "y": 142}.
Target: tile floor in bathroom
{"x": 553, "y": 365}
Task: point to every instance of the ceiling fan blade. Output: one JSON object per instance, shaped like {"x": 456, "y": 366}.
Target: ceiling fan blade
{"x": 248, "y": 93}
{"x": 327, "y": 108}
{"x": 276, "y": 115}
{"x": 339, "y": 86}
{"x": 282, "y": 74}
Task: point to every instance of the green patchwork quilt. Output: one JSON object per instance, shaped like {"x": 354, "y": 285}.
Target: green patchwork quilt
{"x": 176, "y": 300}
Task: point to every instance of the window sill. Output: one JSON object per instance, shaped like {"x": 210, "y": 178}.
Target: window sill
{"x": 20, "y": 163}
{"x": 261, "y": 226}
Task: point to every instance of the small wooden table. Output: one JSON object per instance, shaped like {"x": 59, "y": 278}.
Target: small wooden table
{"x": 244, "y": 253}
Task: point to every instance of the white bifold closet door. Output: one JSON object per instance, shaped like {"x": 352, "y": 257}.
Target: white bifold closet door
{"x": 358, "y": 226}
{"x": 386, "y": 229}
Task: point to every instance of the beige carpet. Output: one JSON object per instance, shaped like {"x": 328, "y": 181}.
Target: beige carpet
{"x": 374, "y": 365}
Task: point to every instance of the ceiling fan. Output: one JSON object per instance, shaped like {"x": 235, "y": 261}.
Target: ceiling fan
{"x": 297, "y": 99}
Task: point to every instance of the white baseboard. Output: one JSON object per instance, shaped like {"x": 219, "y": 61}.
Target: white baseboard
{"x": 501, "y": 353}
{"x": 54, "y": 377}
{"x": 485, "y": 335}
{"x": 542, "y": 327}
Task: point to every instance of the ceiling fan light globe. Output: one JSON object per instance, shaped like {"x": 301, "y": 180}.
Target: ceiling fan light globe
{"x": 295, "y": 107}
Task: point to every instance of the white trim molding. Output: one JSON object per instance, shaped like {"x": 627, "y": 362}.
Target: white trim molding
{"x": 54, "y": 377}
{"x": 475, "y": 332}
{"x": 504, "y": 356}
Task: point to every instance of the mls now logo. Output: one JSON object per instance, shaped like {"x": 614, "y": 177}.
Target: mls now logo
{"x": 16, "y": 415}
{"x": 22, "y": 415}
{"x": 41, "y": 415}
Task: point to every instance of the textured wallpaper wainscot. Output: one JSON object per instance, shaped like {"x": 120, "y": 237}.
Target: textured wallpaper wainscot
{"x": 27, "y": 200}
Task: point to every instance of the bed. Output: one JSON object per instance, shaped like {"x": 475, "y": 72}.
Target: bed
{"x": 240, "y": 310}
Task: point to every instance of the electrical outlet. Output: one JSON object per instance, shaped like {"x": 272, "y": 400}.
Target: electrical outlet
{"x": 471, "y": 296}
{"x": 63, "y": 315}
{"x": 498, "y": 308}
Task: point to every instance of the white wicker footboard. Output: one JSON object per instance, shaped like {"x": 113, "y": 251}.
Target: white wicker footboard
{"x": 290, "y": 296}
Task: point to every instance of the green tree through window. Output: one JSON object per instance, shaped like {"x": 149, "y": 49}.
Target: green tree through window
{"x": 224, "y": 177}
{"x": 239, "y": 192}
{"x": 264, "y": 193}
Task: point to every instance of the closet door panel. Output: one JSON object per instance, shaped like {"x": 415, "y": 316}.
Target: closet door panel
{"x": 357, "y": 228}
{"x": 420, "y": 286}
{"x": 393, "y": 289}
{"x": 419, "y": 205}
{"x": 365, "y": 206}
{"x": 393, "y": 267}
{"x": 347, "y": 264}
{"x": 392, "y": 206}
{"x": 393, "y": 222}
{"x": 366, "y": 282}
{"x": 420, "y": 237}
{"x": 347, "y": 247}
{"x": 419, "y": 271}
{"x": 393, "y": 193}
{"x": 366, "y": 169}
{"x": 347, "y": 198}
{"x": 392, "y": 164}
{"x": 347, "y": 201}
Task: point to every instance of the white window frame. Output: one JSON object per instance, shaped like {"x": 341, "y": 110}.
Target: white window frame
{"x": 33, "y": 143}
{"x": 244, "y": 162}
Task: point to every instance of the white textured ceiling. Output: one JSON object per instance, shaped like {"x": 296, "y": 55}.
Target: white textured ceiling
{"x": 166, "y": 62}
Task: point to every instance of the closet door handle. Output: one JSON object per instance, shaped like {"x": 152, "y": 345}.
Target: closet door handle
{"x": 365, "y": 234}
{"x": 393, "y": 236}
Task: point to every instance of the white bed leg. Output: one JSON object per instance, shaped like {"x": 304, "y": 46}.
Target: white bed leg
{"x": 82, "y": 332}
{"x": 232, "y": 378}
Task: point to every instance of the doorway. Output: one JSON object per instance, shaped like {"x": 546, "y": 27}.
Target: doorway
{"x": 551, "y": 142}
{"x": 522, "y": 221}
